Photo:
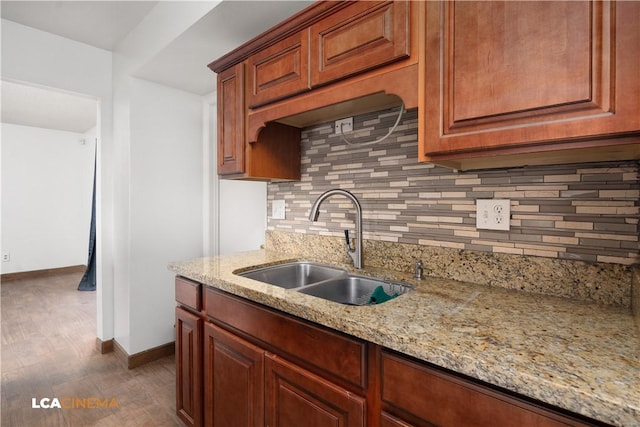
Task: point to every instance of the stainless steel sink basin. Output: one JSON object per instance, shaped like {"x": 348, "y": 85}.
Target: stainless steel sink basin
{"x": 330, "y": 283}
{"x": 356, "y": 290}
{"x": 294, "y": 274}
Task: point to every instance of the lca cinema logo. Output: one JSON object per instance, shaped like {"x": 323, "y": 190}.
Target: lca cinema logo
{"x": 74, "y": 403}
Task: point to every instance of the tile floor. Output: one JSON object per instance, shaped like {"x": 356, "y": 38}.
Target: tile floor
{"x": 49, "y": 351}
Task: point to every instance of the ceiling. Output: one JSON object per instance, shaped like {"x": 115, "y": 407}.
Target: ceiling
{"x": 46, "y": 108}
{"x": 182, "y": 64}
{"x": 97, "y": 23}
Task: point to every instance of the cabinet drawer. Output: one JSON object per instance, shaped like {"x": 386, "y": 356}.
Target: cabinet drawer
{"x": 189, "y": 293}
{"x": 362, "y": 36}
{"x": 334, "y": 355}
{"x": 280, "y": 70}
{"x": 442, "y": 399}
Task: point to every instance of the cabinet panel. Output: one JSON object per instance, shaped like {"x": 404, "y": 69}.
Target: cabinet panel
{"x": 507, "y": 74}
{"x": 231, "y": 121}
{"x": 363, "y": 36}
{"x": 298, "y": 398}
{"x": 280, "y": 70}
{"x": 445, "y": 400}
{"x": 188, "y": 367}
{"x": 234, "y": 380}
{"x": 492, "y": 68}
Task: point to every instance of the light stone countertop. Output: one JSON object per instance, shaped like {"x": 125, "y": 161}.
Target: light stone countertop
{"x": 575, "y": 355}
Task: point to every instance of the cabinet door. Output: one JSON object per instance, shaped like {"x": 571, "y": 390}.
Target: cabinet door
{"x": 280, "y": 70}
{"x": 189, "y": 367}
{"x": 234, "y": 379}
{"x": 503, "y": 74}
{"x": 295, "y": 397}
{"x": 231, "y": 121}
{"x": 362, "y": 36}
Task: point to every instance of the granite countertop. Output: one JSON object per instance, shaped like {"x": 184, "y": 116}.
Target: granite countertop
{"x": 575, "y": 355}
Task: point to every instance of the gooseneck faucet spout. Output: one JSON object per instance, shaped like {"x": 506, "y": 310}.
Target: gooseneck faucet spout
{"x": 354, "y": 252}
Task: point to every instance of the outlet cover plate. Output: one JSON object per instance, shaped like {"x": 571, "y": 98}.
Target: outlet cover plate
{"x": 493, "y": 214}
{"x": 277, "y": 209}
{"x": 345, "y": 124}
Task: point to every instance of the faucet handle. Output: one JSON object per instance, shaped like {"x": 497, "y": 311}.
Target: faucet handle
{"x": 346, "y": 237}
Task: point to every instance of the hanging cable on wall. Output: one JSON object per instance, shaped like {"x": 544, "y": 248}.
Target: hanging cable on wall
{"x": 376, "y": 141}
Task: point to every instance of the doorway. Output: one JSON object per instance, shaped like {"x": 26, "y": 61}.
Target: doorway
{"x": 48, "y": 150}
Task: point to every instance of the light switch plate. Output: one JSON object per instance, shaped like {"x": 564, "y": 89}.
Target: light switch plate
{"x": 277, "y": 209}
{"x": 493, "y": 214}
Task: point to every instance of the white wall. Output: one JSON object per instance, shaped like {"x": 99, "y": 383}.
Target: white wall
{"x": 166, "y": 205}
{"x": 158, "y": 201}
{"x": 238, "y": 209}
{"x": 243, "y": 215}
{"x": 41, "y": 58}
{"x": 47, "y": 185}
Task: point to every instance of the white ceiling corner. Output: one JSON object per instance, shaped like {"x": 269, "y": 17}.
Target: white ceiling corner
{"x": 96, "y": 23}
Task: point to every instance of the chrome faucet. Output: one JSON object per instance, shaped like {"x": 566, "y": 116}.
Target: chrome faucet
{"x": 354, "y": 252}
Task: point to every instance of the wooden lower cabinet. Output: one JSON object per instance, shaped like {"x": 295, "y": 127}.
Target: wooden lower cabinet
{"x": 189, "y": 367}
{"x": 239, "y": 363}
{"x": 234, "y": 373}
{"x": 424, "y": 396}
{"x": 295, "y": 397}
{"x": 388, "y": 420}
{"x": 247, "y": 387}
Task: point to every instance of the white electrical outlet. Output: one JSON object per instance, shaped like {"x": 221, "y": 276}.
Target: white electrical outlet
{"x": 6, "y": 257}
{"x": 345, "y": 124}
{"x": 493, "y": 214}
{"x": 277, "y": 209}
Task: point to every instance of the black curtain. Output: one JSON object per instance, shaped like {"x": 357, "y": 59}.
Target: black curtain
{"x": 88, "y": 281}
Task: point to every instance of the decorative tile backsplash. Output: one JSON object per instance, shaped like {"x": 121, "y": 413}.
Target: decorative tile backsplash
{"x": 588, "y": 212}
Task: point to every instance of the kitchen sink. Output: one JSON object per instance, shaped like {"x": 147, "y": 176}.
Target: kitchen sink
{"x": 294, "y": 274}
{"x": 356, "y": 290}
{"x": 330, "y": 283}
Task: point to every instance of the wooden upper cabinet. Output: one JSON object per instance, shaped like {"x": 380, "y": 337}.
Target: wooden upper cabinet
{"x": 362, "y": 36}
{"x": 331, "y": 58}
{"x": 231, "y": 121}
{"x": 507, "y": 74}
{"x": 280, "y": 70}
{"x": 359, "y": 37}
{"x": 276, "y": 153}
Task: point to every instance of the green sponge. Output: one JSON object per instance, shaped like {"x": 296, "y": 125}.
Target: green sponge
{"x": 379, "y": 296}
